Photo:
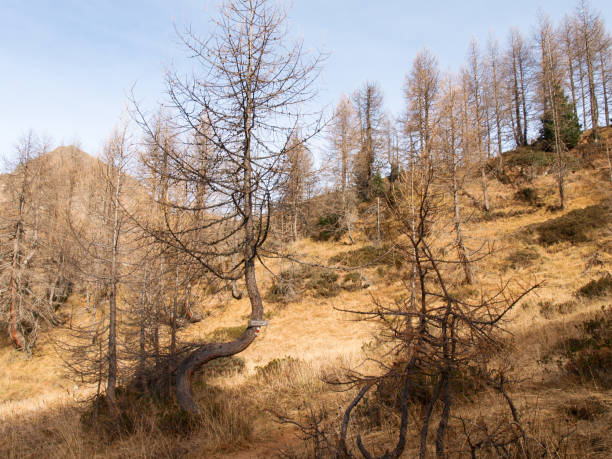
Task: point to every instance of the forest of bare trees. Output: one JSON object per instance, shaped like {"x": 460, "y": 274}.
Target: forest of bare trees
{"x": 184, "y": 200}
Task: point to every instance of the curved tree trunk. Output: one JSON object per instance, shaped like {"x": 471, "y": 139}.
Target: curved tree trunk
{"x": 212, "y": 351}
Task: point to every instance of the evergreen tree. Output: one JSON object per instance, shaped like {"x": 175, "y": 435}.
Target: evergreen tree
{"x": 569, "y": 129}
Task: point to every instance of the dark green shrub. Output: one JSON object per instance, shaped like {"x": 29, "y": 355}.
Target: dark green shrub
{"x": 132, "y": 408}
{"x": 366, "y": 255}
{"x": 324, "y": 284}
{"x": 464, "y": 384}
{"x": 530, "y": 157}
{"x": 289, "y": 284}
{"x": 596, "y": 288}
{"x": 574, "y": 226}
{"x": 528, "y": 195}
{"x": 588, "y": 357}
{"x": 328, "y": 227}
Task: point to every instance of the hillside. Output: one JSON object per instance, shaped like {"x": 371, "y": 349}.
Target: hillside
{"x": 309, "y": 339}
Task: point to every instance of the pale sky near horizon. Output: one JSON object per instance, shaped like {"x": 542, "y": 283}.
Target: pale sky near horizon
{"x": 66, "y": 66}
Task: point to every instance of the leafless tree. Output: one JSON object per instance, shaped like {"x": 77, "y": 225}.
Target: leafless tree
{"x": 432, "y": 334}
{"x": 450, "y": 145}
{"x": 343, "y": 138}
{"x": 587, "y": 29}
{"x": 518, "y": 66}
{"x": 496, "y": 85}
{"x": 368, "y": 103}
{"x": 298, "y": 172}
{"x": 23, "y": 298}
{"x": 99, "y": 227}
{"x": 551, "y": 79}
{"x": 567, "y": 36}
{"x": 232, "y": 125}
{"x": 475, "y": 91}
{"x": 421, "y": 91}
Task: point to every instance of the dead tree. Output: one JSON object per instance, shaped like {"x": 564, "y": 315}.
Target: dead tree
{"x": 24, "y": 303}
{"x": 451, "y": 155}
{"x": 368, "y": 103}
{"x": 552, "y": 96}
{"x": 421, "y": 89}
{"x": 518, "y": 66}
{"x": 343, "y": 138}
{"x": 232, "y": 126}
{"x": 298, "y": 179}
{"x": 475, "y": 90}
{"x": 433, "y": 334}
{"x": 99, "y": 229}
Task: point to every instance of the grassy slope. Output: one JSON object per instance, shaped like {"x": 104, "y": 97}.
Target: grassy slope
{"x": 323, "y": 338}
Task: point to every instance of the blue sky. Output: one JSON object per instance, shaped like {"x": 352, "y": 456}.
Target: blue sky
{"x": 67, "y": 65}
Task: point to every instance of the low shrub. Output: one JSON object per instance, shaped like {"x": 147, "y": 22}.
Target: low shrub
{"x": 226, "y": 333}
{"x": 324, "y": 284}
{"x": 596, "y": 288}
{"x": 548, "y": 309}
{"x": 528, "y": 157}
{"x": 289, "y": 284}
{"x": 354, "y": 281}
{"x": 366, "y": 255}
{"x": 574, "y": 226}
{"x": 585, "y": 409}
{"x": 528, "y": 195}
{"x": 135, "y": 412}
{"x": 588, "y": 357}
{"x": 277, "y": 366}
{"x": 522, "y": 258}
{"x": 567, "y": 307}
{"x": 328, "y": 227}
{"x": 464, "y": 384}
{"x": 224, "y": 366}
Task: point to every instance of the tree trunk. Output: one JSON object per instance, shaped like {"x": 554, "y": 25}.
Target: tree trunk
{"x": 609, "y": 163}
{"x": 142, "y": 356}
{"x": 16, "y": 336}
{"x": 518, "y": 131}
{"x": 582, "y": 95}
{"x": 211, "y": 351}
{"x": 500, "y": 164}
{"x": 604, "y": 87}
{"x": 591, "y": 80}
{"x": 464, "y": 260}
{"x": 112, "y": 303}
{"x": 485, "y": 189}
{"x": 522, "y": 77}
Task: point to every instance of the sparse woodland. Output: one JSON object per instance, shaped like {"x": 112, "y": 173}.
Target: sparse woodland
{"x": 239, "y": 274}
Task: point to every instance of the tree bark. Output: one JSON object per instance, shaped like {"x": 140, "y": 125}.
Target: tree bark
{"x": 112, "y": 303}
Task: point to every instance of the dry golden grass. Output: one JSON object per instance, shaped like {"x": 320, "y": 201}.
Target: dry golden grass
{"x": 39, "y": 415}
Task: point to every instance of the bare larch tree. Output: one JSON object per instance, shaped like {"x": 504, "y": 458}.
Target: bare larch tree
{"x": 232, "y": 124}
